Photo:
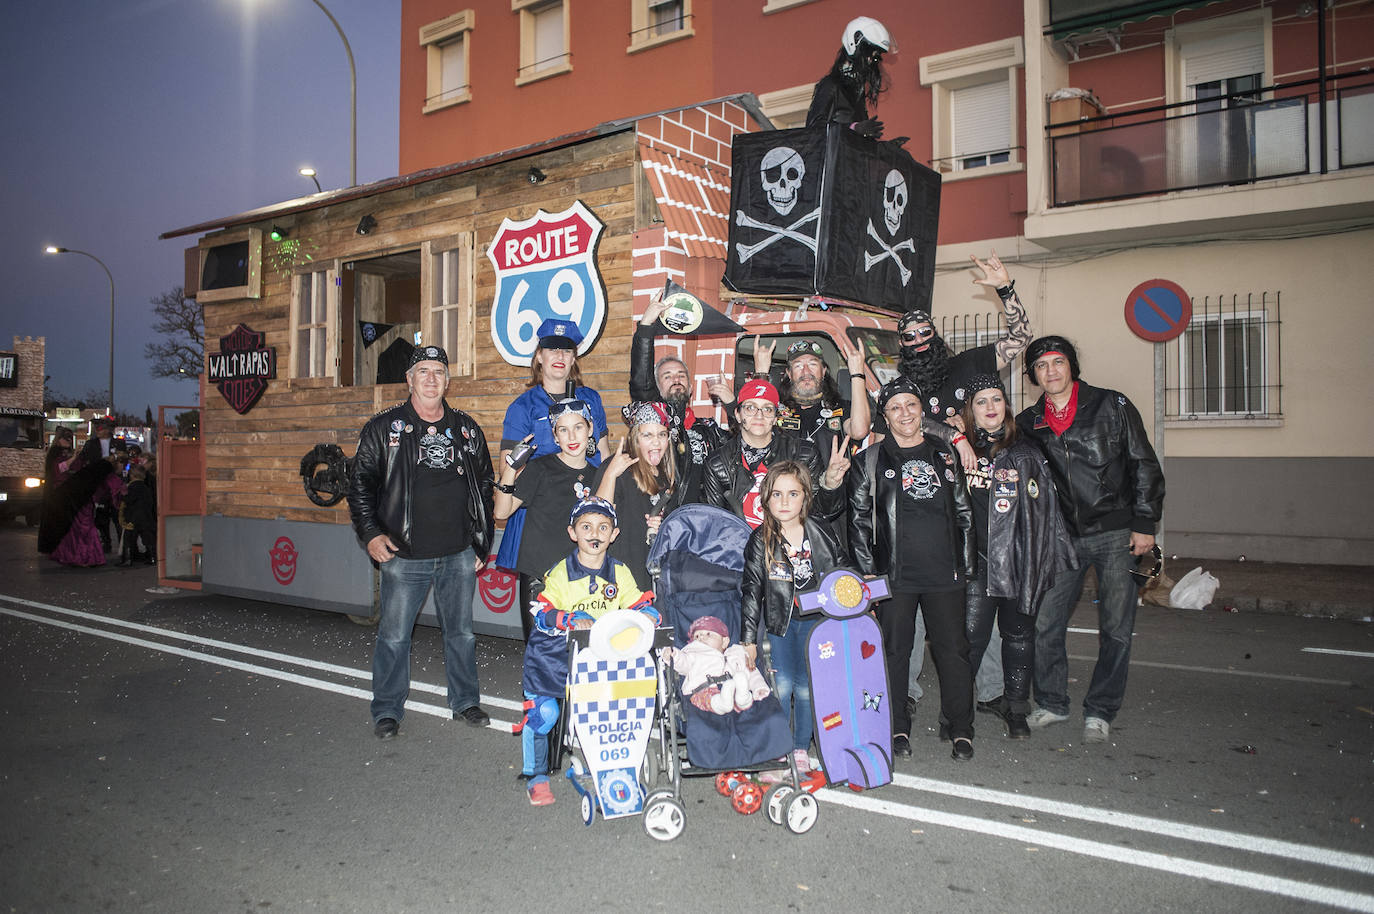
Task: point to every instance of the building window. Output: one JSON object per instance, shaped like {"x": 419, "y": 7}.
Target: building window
{"x": 544, "y": 39}
{"x": 314, "y": 304}
{"x": 1221, "y": 65}
{"x": 979, "y": 127}
{"x": 446, "y": 54}
{"x": 448, "y": 296}
{"x": 974, "y": 111}
{"x": 1227, "y": 361}
{"x": 656, "y": 22}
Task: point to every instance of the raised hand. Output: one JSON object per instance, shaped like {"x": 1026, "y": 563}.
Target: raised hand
{"x": 720, "y": 391}
{"x": 995, "y": 275}
{"x": 838, "y": 466}
{"x": 622, "y": 460}
{"x": 653, "y": 309}
{"x": 763, "y": 356}
{"x": 853, "y": 360}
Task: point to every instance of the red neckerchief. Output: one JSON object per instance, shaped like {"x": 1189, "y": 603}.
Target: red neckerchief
{"x": 1060, "y": 420}
{"x": 689, "y": 419}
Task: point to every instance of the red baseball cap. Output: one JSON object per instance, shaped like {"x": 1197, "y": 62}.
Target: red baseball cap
{"x": 758, "y": 389}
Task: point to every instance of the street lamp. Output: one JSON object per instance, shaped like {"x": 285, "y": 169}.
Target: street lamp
{"x": 50, "y": 249}
{"x": 308, "y": 172}
{"x": 353, "y": 99}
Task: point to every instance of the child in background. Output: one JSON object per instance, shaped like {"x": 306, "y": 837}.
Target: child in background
{"x": 576, "y": 592}
{"x": 789, "y": 552}
{"x": 138, "y": 519}
{"x": 548, "y": 487}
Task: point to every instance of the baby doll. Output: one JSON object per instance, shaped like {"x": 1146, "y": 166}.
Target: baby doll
{"x": 715, "y": 677}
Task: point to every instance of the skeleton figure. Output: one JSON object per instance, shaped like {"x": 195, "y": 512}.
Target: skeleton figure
{"x": 894, "y": 201}
{"x": 782, "y": 171}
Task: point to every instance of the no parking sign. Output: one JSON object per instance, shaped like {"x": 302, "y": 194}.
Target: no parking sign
{"x": 1158, "y": 310}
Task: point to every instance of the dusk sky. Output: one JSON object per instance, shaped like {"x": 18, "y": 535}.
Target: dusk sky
{"x": 128, "y": 118}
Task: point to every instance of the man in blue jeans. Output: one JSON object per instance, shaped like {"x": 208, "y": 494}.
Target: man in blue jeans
{"x": 1111, "y": 489}
{"x": 420, "y": 499}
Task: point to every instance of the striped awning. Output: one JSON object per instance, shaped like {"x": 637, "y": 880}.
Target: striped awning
{"x": 693, "y": 199}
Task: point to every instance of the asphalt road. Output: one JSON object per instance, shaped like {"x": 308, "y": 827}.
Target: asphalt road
{"x": 190, "y": 752}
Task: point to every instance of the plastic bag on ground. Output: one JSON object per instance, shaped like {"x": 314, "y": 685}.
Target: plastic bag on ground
{"x": 1194, "y": 590}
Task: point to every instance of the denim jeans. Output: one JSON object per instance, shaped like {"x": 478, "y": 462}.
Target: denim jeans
{"x": 788, "y": 653}
{"x": 405, "y": 583}
{"x": 1109, "y": 553}
{"x": 987, "y": 680}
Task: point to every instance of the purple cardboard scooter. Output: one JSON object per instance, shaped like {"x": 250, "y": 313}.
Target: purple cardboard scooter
{"x": 848, "y": 670}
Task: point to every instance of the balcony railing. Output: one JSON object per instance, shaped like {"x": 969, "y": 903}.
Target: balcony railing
{"x": 1274, "y": 132}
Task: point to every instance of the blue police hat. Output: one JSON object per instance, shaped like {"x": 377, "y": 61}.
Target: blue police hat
{"x": 559, "y": 334}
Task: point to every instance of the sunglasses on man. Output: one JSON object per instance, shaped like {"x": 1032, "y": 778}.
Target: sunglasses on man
{"x": 921, "y": 333}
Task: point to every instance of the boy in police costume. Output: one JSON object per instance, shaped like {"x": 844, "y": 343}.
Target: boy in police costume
{"x": 576, "y": 592}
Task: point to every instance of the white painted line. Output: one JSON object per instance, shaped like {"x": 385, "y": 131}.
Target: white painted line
{"x": 1306, "y": 853}
{"x": 1225, "y": 875}
{"x": 1287, "y": 677}
{"x": 432, "y": 689}
{"x": 1173, "y": 864}
{"x": 1331, "y": 650}
{"x": 350, "y": 691}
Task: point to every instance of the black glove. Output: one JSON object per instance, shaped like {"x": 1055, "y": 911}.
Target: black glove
{"x": 520, "y": 454}
{"x": 871, "y": 128}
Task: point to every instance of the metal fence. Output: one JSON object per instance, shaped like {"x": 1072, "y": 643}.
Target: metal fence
{"x": 1228, "y": 364}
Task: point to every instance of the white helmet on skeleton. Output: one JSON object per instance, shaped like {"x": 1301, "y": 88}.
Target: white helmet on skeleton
{"x": 866, "y": 28}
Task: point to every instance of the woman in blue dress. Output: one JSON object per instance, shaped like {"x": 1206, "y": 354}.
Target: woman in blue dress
{"x": 552, "y": 369}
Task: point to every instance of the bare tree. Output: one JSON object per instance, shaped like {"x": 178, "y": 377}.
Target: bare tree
{"x": 181, "y": 321}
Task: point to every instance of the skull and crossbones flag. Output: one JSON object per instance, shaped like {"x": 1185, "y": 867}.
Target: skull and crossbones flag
{"x": 826, "y": 211}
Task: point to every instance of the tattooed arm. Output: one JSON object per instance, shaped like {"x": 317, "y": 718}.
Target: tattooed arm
{"x": 1018, "y": 325}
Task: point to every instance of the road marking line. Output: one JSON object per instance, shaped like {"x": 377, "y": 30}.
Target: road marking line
{"x": 1287, "y": 677}
{"x": 505, "y": 703}
{"x": 351, "y": 691}
{"x": 1332, "y": 650}
{"x": 1201, "y": 834}
{"x": 1173, "y": 864}
{"x": 1245, "y": 879}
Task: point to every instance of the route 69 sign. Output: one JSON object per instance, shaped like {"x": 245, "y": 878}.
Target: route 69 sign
{"x": 546, "y": 268}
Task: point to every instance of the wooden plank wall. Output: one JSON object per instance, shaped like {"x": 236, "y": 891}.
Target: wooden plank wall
{"x": 253, "y": 461}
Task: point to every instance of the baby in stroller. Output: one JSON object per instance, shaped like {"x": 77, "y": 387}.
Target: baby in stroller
{"x": 716, "y": 676}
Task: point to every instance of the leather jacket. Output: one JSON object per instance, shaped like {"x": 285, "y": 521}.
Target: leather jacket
{"x": 727, "y": 481}
{"x": 1028, "y": 543}
{"x": 698, "y": 437}
{"x": 383, "y": 469}
{"x": 873, "y": 493}
{"x": 1106, "y": 472}
{"x": 768, "y": 598}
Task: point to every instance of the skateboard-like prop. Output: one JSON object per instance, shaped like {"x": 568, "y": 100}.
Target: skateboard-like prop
{"x": 611, "y": 697}
{"x": 844, "y": 657}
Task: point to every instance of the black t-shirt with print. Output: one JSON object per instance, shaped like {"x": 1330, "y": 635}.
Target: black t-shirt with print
{"x": 548, "y": 488}
{"x": 925, "y": 521}
{"x": 438, "y": 496}
{"x": 632, "y": 505}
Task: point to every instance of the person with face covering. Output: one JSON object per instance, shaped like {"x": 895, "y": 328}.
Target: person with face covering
{"x": 943, "y": 378}
{"x": 855, "y": 80}
{"x": 554, "y": 375}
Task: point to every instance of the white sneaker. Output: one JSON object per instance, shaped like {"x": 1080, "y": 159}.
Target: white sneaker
{"x": 1041, "y": 718}
{"x": 1095, "y": 730}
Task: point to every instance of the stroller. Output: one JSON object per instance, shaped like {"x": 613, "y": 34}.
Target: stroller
{"x": 697, "y": 561}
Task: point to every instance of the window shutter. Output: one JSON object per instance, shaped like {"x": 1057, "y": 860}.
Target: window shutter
{"x": 981, "y": 118}
{"x": 451, "y": 66}
{"x": 1223, "y": 57}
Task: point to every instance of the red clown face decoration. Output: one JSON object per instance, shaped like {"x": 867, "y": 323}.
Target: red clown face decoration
{"x": 283, "y": 556}
{"x": 496, "y": 587}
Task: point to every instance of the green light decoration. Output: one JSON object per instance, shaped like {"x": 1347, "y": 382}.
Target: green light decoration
{"x": 288, "y": 253}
